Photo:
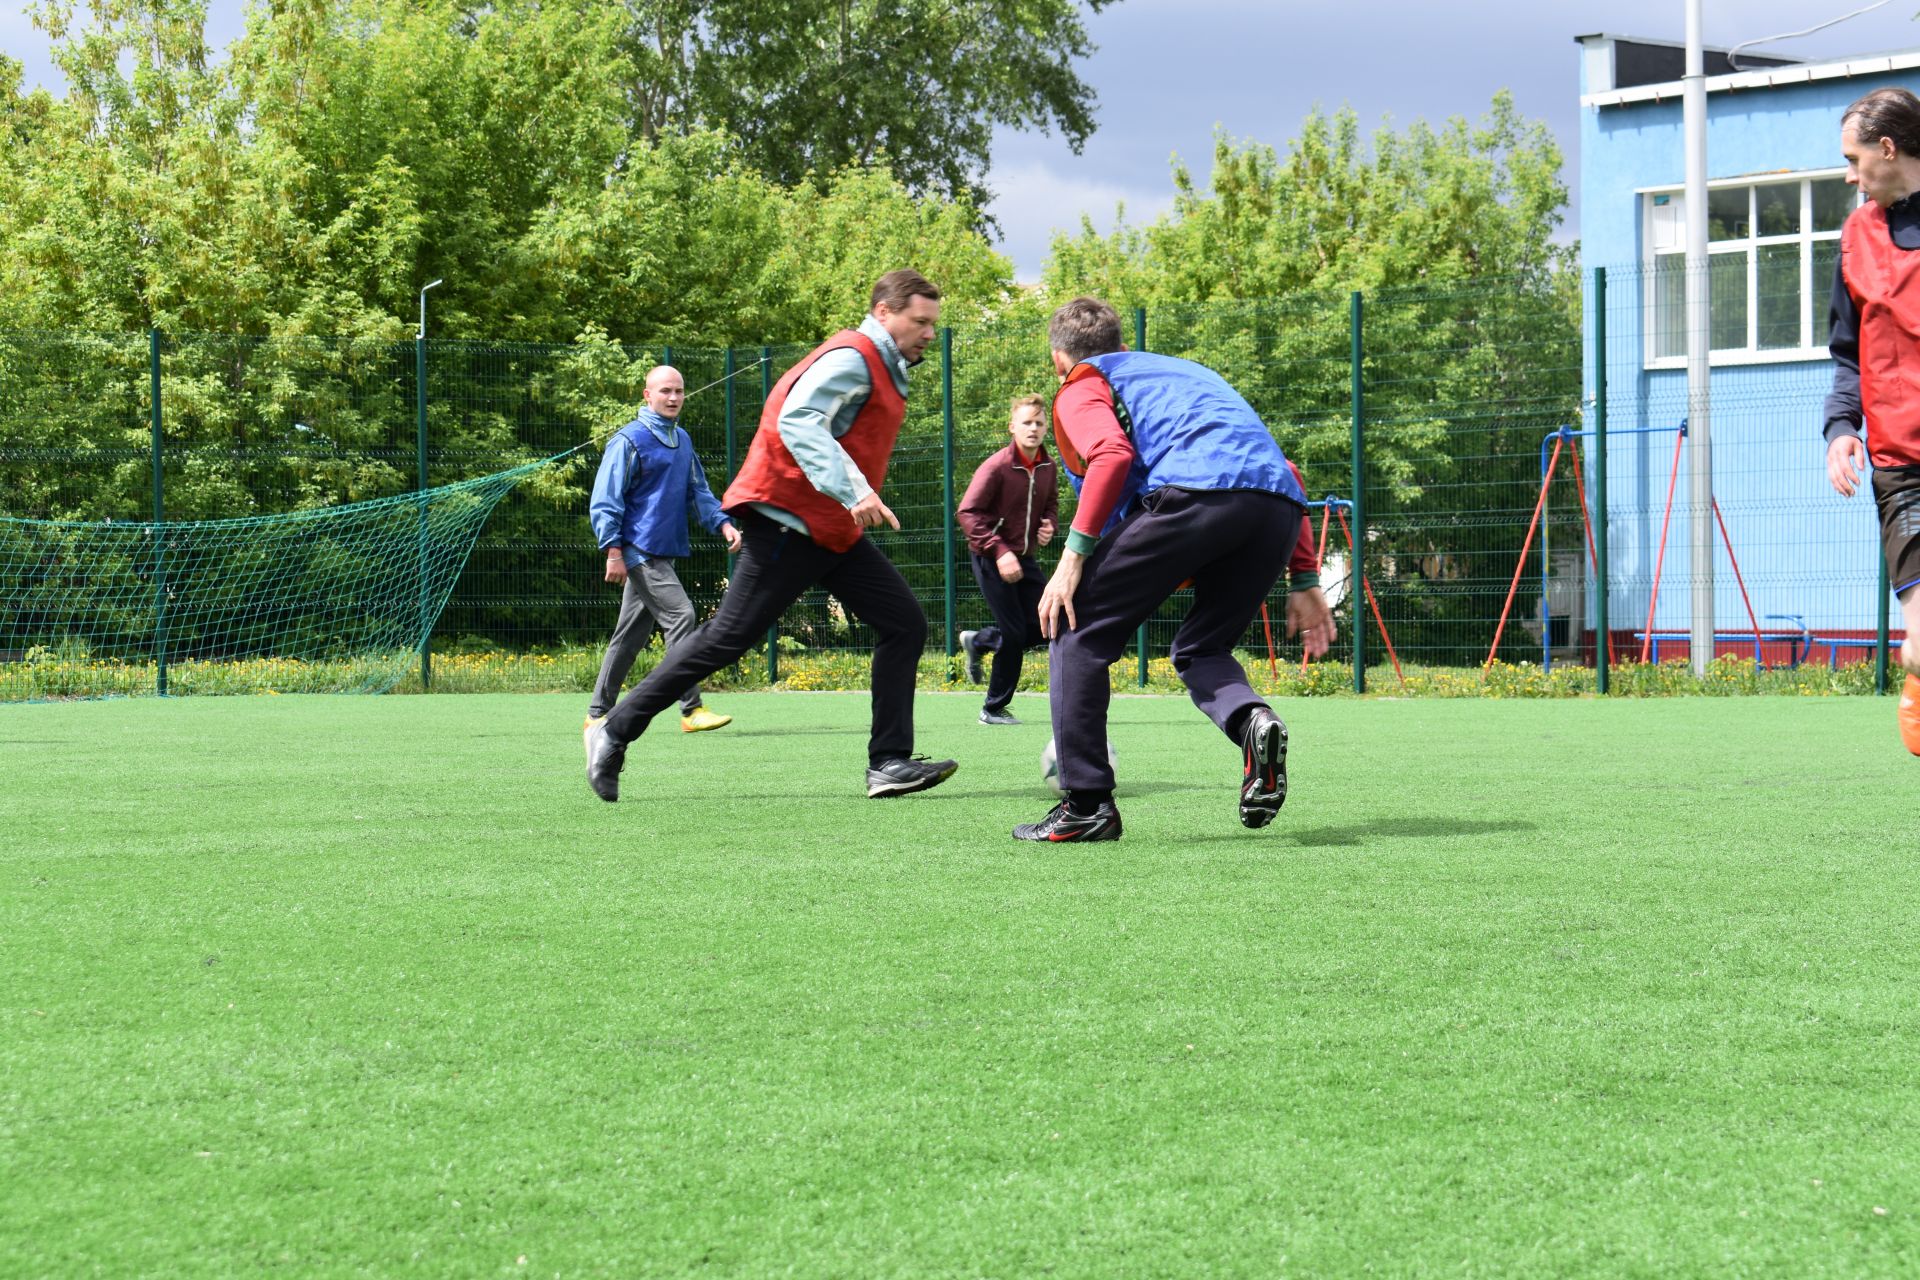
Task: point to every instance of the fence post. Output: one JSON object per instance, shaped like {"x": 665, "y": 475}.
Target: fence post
{"x": 730, "y": 442}
{"x": 420, "y": 462}
{"x": 159, "y": 523}
{"x": 1880, "y": 646}
{"x": 1355, "y": 582}
{"x": 1140, "y": 344}
{"x": 946, "y": 490}
{"x": 732, "y": 559}
{"x": 773, "y": 630}
{"x": 1601, "y": 625}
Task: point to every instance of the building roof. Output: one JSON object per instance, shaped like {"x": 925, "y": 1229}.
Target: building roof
{"x": 1637, "y": 61}
{"x": 1619, "y": 69}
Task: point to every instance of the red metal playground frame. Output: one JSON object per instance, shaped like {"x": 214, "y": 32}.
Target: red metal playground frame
{"x": 1567, "y": 439}
{"x": 1336, "y": 506}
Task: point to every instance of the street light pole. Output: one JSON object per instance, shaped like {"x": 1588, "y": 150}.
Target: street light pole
{"x": 1699, "y": 343}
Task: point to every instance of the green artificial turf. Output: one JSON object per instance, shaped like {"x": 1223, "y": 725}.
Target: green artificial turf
{"x": 375, "y": 986}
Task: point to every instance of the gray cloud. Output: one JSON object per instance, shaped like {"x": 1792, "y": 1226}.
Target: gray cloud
{"x": 1169, "y": 71}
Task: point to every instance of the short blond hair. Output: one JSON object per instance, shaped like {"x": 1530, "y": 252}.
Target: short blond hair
{"x": 1021, "y": 402}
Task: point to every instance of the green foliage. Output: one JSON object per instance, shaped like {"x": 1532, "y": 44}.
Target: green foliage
{"x": 1423, "y": 207}
{"x": 350, "y": 150}
{"x": 813, "y": 87}
{"x": 556, "y": 169}
{"x": 474, "y": 664}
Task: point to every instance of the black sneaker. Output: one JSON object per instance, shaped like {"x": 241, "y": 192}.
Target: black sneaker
{"x": 899, "y": 776}
{"x": 997, "y": 715}
{"x": 1062, "y": 824}
{"x": 973, "y": 656}
{"x": 605, "y": 759}
{"x": 1263, "y": 780}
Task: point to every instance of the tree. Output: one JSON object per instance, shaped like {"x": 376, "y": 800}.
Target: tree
{"x": 350, "y": 150}
{"x": 1421, "y": 208}
{"x": 813, "y": 86}
{"x": 274, "y": 216}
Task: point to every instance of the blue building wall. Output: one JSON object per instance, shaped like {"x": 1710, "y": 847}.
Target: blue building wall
{"x": 1801, "y": 548}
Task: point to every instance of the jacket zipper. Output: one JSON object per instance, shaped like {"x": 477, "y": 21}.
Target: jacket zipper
{"x": 1026, "y": 525}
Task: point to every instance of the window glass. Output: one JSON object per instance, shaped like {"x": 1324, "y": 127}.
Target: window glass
{"x": 1727, "y": 301}
{"x": 1776, "y": 209}
{"x": 1669, "y": 305}
{"x": 1777, "y": 307}
{"x": 1825, "y": 254}
{"x": 1775, "y": 246}
{"x": 1727, "y": 213}
{"x": 1833, "y": 200}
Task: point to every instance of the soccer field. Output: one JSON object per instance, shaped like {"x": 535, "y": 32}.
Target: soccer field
{"x": 375, "y": 986}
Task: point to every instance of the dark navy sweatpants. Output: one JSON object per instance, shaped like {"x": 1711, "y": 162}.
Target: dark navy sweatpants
{"x": 1016, "y": 623}
{"x": 1233, "y": 544}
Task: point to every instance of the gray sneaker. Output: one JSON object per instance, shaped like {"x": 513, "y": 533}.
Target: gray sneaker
{"x": 899, "y": 776}
{"x": 997, "y": 715}
{"x": 972, "y": 655}
{"x": 605, "y": 759}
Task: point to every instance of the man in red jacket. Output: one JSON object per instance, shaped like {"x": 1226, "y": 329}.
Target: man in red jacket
{"x": 1009, "y": 509}
{"x": 803, "y": 501}
{"x": 1876, "y": 351}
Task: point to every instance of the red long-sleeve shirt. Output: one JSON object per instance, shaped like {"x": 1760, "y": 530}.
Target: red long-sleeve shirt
{"x": 1083, "y": 413}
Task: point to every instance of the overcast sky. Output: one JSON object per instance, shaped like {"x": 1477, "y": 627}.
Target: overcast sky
{"x": 1169, "y": 71}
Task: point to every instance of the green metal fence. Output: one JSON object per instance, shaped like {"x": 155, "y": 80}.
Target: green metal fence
{"x": 1421, "y": 413}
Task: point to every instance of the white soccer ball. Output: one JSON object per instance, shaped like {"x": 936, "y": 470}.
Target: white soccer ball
{"x": 1050, "y": 766}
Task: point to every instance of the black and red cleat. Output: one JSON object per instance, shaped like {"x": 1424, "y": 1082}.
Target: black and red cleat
{"x": 1062, "y": 824}
{"x": 1263, "y": 777}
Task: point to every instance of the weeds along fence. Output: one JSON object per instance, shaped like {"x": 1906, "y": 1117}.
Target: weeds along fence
{"x": 1427, "y": 415}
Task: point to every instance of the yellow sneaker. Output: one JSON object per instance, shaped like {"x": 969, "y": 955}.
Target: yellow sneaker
{"x": 592, "y": 721}
{"x": 1909, "y": 715}
{"x": 702, "y": 719}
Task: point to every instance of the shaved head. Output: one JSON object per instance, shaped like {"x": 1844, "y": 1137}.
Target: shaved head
{"x": 666, "y": 391}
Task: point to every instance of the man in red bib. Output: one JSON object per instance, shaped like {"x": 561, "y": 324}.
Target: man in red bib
{"x": 803, "y": 501}
{"x": 1876, "y": 351}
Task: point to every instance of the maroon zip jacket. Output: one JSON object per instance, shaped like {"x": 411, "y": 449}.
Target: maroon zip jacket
{"x": 1005, "y": 503}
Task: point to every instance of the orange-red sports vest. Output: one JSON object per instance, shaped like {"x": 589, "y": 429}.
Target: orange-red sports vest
{"x": 1884, "y": 280}
{"x": 770, "y": 474}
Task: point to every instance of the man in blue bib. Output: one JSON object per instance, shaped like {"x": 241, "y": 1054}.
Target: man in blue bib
{"x": 649, "y": 480}
{"x": 1179, "y": 482}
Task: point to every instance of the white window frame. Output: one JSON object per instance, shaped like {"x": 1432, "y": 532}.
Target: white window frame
{"x": 1812, "y": 341}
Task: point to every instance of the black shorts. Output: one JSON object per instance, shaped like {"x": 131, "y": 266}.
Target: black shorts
{"x": 1896, "y": 490}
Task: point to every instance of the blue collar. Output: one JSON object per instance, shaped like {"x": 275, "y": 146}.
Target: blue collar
{"x": 666, "y": 432}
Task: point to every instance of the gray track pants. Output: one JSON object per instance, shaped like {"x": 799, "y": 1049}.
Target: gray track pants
{"x": 653, "y": 597}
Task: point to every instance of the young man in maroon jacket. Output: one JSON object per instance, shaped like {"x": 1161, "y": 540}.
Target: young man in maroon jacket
{"x": 1009, "y": 509}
